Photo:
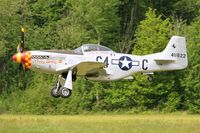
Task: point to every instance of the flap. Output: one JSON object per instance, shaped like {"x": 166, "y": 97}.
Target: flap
{"x": 89, "y": 67}
{"x": 84, "y": 68}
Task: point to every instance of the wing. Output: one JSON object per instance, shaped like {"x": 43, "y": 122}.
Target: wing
{"x": 86, "y": 68}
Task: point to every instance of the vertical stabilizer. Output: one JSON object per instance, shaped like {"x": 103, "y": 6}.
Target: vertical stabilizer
{"x": 175, "y": 53}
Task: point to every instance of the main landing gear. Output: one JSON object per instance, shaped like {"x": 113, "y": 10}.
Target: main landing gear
{"x": 61, "y": 92}
{"x": 63, "y": 87}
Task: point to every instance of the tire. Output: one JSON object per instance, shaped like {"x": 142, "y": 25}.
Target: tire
{"x": 65, "y": 92}
{"x": 54, "y": 92}
{"x": 150, "y": 78}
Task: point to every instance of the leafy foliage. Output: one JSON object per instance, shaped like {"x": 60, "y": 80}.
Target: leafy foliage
{"x": 191, "y": 81}
{"x": 152, "y": 33}
{"x": 134, "y": 26}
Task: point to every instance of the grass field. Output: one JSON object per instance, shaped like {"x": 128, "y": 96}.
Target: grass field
{"x": 100, "y": 124}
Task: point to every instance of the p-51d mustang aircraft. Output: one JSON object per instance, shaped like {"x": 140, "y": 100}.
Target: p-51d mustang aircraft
{"x": 99, "y": 63}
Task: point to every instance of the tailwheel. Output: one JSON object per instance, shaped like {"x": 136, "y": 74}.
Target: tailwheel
{"x": 150, "y": 78}
{"x": 65, "y": 92}
{"x": 55, "y": 92}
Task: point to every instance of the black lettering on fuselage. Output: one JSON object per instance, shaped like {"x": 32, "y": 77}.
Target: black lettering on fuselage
{"x": 98, "y": 58}
{"x": 106, "y": 61}
{"x": 40, "y": 57}
{"x": 144, "y": 62}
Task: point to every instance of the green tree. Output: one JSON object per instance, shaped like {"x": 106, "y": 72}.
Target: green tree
{"x": 66, "y": 24}
{"x": 152, "y": 36}
{"x": 192, "y": 74}
{"x": 184, "y": 9}
{"x": 99, "y": 18}
{"x": 131, "y": 12}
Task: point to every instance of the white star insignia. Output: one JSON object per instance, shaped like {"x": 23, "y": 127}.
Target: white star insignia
{"x": 125, "y": 63}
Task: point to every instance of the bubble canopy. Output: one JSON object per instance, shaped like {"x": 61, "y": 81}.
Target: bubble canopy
{"x": 91, "y": 48}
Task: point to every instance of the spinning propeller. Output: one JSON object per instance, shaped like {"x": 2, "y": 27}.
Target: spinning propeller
{"x": 22, "y": 57}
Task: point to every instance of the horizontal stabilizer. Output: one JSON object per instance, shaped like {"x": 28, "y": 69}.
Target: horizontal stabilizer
{"x": 148, "y": 73}
{"x": 164, "y": 59}
{"x": 128, "y": 78}
{"x": 161, "y": 62}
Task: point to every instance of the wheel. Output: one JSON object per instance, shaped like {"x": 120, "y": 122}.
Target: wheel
{"x": 54, "y": 92}
{"x": 65, "y": 92}
{"x": 150, "y": 78}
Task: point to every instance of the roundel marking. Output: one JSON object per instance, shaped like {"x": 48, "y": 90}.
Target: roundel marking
{"x": 125, "y": 63}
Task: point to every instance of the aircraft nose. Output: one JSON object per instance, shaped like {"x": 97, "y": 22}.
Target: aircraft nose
{"x": 14, "y": 57}
{"x": 24, "y": 58}
{"x": 17, "y": 57}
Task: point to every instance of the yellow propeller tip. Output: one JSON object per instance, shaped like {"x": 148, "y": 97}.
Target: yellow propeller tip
{"x": 22, "y": 29}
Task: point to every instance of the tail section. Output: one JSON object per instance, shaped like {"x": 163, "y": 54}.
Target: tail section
{"x": 175, "y": 54}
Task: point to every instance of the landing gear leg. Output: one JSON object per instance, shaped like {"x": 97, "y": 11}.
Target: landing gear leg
{"x": 66, "y": 90}
{"x": 55, "y": 90}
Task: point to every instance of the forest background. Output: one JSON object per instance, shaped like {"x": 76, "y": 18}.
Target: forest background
{"x": 128, "y": 26}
